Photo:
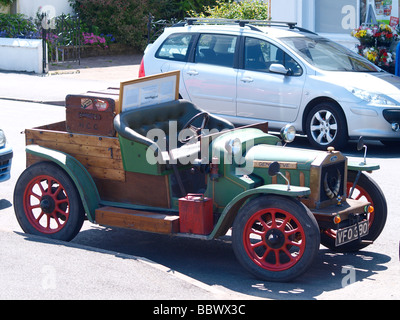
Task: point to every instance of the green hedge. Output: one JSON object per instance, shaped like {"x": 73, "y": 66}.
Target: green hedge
{"x": 17, "y": 26}
{"x": 6, "y": 2}
{"x": 245, "y": 9}
{"x": 127, "y": 20}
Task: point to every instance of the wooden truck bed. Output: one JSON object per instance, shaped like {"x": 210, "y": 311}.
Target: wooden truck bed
{"x": 101, "y": 156}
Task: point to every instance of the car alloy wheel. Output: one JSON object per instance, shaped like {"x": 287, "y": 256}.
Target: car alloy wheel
{"x": 326, "y": 126}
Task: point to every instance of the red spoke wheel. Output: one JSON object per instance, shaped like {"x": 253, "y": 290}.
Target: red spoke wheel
{"x": 275, "y": 238}
{"x": 365, "y": 190}
{"x": 47, "y": 203}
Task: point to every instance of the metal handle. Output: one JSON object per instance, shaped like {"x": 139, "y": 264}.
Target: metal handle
{"x": 192, "y": 72}
{"x": 247, "y": 79}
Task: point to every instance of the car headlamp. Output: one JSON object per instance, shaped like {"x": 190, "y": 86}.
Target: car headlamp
{"x": 288, "y": 133}
{"x": 372, "y": 98}
{"x": 2, "y": 139}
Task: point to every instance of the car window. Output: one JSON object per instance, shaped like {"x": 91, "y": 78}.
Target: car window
{"x": 216, "y": 49}
{"x": 175, "y": 47}
{"x": 260, "y": 54}
{"x": 328, "y": 55}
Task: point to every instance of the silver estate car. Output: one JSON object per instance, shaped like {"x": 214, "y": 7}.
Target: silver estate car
{"x": 279, "y": 73}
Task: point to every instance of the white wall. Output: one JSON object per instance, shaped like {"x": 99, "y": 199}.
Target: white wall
{"x": 31, "y": 7}
{"x": 286, "y": 10}
{"x": 26, "y": 54}
{"x": 21, "y": 55}
{"x": 304, "y": 13}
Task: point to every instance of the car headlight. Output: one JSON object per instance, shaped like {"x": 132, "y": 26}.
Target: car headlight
{"x": 372, "y": 98}
{"x": 2, "y": 139}
{"x": 288, "y": 133}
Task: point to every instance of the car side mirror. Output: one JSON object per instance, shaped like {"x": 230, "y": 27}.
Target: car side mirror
{"x": 278, "y": 68}
{"x": 360, "y": 143}
{"x": 274, "y": 169}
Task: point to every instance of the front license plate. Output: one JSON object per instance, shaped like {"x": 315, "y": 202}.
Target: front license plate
{"x": 349, "y": 234}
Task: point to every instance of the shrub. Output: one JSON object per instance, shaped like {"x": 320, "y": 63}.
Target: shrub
{"x": 6, "y": 2}
{"x": 246, "y": 10}
{"x": 125, "y": 19}
{"x": 17, "y": 26}
{"x": 179, "y": 9}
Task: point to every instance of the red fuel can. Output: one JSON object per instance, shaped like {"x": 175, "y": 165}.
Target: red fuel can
{"x": 196, "y": 214}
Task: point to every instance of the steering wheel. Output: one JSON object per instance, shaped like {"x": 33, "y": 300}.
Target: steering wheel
{"x": 196, "y": 130}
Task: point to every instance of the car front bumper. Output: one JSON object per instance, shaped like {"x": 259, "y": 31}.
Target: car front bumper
{"x": 379, "y": 123}
{"x": 6, "y": 155}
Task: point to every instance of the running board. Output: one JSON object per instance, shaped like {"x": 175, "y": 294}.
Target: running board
{"x": 137, "y": 220}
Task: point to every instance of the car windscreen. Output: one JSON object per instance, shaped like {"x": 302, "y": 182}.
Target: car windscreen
{"x": 328, "y": 55}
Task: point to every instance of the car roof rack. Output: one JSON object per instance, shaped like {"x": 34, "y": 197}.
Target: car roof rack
{"x": 242, "y": 23}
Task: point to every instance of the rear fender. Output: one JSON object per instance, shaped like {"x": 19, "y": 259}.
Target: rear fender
{"x": 229, "y": 214}
{"x": 80, "y": 176}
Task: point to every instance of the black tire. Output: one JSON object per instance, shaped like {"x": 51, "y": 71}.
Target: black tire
{"x": 326, "y": 126}
{"x": 367, "y": 189}
{"x": 276, "y": 238}
{"x": 47, "y": 203}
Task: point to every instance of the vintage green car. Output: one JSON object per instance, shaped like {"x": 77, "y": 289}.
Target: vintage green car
{"x": 172, "y": 168}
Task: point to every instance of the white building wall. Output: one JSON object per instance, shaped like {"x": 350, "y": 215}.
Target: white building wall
{"x": 308, "y": 14}
{"x": 54, "y": 7}
{"x": 21, "y": 55}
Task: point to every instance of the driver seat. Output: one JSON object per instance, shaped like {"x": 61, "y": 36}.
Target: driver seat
{"x": 144, "y": 135}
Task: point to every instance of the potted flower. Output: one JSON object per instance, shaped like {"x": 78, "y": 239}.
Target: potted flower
{"x": 371, "y": 54}
{"x": 385, "y": 35}
{"x": 365, "y": 35}
{"x": 386, "y": 60}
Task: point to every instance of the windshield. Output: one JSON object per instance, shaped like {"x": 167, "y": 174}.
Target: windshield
{"x": 328, "y": 55}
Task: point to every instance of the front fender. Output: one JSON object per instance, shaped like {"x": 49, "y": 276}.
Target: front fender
{"x": 228, "y": 215}
{"x": 361, "y": 166}
{"x": 80, "y": 176}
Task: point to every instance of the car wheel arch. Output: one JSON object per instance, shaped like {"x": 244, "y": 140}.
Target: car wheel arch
{"x": 339, "y": 114}
{"x": 315, "y": 102}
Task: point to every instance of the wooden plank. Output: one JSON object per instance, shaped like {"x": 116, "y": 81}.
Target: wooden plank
{"x": 138, "y": 188}
{"x": 107, "y": 174}
{"x": 33, "y": 135}
{"x": 101, "y": 156}
{"x": 96, "y": 172}
{"x": 137, "y": 220}
{"x": 90, "y": 151}
{"x": 99, "y": 162}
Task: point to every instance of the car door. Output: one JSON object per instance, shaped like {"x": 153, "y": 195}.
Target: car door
{"x": 267, "y": 95}
{"x": 172, "y": 55}
{"x": 210, "y": 79}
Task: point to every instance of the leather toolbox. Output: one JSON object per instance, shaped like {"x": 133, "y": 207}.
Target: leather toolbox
{"x": 92, "y": 112}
